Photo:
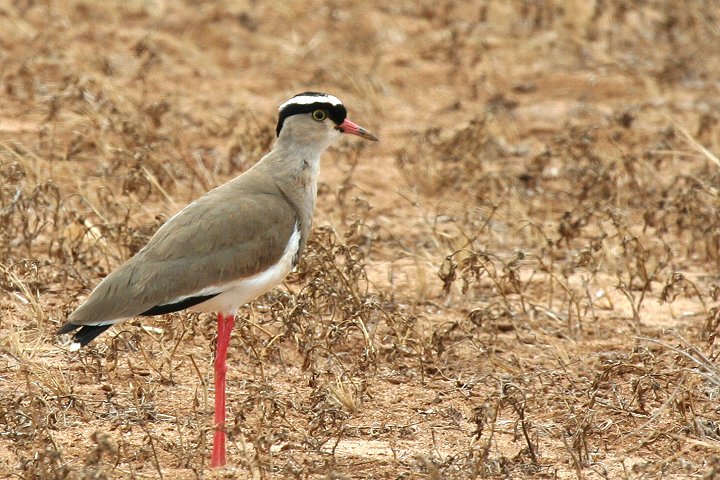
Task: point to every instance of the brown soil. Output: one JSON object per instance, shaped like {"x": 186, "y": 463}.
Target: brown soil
{"x": 519, "y": 281}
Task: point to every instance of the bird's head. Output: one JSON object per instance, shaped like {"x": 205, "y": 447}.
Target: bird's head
{"x": 316, "y": 118}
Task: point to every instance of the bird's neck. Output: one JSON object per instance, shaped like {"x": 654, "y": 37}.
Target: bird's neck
{"x": 285, "y": 147}
{"x": 294, "y": 170}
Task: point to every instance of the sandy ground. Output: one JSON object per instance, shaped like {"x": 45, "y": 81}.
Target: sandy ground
{"x": 519, "y": 281}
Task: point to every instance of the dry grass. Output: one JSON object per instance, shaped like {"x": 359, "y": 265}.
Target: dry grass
{"x": 519, "y": 281}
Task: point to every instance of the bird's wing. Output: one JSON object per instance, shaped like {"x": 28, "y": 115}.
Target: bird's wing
{"x": 213, "y": 241}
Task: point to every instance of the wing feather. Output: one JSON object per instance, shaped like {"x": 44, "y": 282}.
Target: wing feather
{"x": 213, "y": 241}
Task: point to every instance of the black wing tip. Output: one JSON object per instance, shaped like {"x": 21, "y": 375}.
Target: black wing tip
{"x": 86, "y": 334}
{"x": 177, "y": 306}
{"x": 67, "y": 328}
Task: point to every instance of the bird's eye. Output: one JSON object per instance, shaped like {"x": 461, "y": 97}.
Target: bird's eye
{"x": 319, "y": 115}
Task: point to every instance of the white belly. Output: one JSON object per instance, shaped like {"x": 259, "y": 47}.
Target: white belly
{"x": 235, "y": 294}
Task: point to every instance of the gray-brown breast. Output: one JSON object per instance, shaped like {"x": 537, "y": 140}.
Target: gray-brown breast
{"x": 234, "y": 231}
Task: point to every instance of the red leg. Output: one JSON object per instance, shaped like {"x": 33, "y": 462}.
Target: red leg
{"x": 225, "y": 326}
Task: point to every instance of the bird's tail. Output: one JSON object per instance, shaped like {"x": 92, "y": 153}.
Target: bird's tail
{"x": 83, "y": 336}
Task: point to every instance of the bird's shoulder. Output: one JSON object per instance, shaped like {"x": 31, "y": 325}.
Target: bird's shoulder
{"x": 226, "y": 217}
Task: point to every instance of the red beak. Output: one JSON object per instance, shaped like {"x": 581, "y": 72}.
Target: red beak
{"x": 354, "y": 129}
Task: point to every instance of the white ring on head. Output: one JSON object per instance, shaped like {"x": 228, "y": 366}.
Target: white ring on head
{"x": 308, "y": 99}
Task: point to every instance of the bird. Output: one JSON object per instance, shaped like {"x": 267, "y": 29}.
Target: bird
{"x": 230, "y": 245}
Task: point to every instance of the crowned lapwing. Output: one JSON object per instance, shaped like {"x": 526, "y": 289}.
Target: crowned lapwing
{"x": 230, "y": 245}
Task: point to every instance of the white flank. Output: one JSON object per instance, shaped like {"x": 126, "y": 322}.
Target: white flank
{"x": 233, "y": 295}
{"x": 307, "y": 99}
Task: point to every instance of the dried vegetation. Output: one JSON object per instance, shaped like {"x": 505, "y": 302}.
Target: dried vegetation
{"x": 520, "y": 281}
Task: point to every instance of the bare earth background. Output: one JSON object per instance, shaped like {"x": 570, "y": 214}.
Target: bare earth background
{"x": 520, "y": 281}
